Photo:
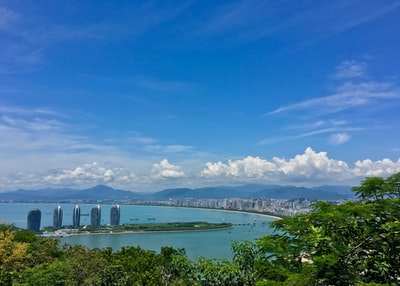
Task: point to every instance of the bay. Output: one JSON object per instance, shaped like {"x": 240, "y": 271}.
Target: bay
{"x": 208, "y": 244}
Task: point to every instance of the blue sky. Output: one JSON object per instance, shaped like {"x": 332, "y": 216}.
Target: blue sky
{"x": 147, "y": 95}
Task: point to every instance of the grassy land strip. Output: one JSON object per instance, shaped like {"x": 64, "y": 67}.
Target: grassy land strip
{"x": 145, "y": 227}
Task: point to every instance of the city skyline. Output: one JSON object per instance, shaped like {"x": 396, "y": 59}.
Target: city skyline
{"x": 154, "y": 95}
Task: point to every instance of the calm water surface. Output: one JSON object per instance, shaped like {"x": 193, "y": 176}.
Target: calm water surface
{"x": 209, "y": 244}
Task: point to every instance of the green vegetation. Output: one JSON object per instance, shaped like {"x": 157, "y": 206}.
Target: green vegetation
{"x": 356, "y": 243}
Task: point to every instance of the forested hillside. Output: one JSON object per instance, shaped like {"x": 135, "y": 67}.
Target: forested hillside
{"x": 356, "y": 243}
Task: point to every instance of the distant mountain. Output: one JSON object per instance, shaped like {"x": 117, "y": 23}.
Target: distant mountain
{"x": 98, "y": 193}
{"x": 346, "y": 190}
{"x": 102, "y": 193}
{"x": 32, "y": 195}
{"x": 289, "y": 192}
{"x": 200, "y": 193}
{"x": 258, "y": 191}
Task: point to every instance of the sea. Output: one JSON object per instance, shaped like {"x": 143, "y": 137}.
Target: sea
{"x": 213, "y": 244}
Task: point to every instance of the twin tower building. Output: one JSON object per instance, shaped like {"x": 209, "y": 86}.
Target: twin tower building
{"x": 34, "y": 217}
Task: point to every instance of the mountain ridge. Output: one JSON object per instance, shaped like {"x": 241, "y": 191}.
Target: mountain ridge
{"x": 103, "y": 193}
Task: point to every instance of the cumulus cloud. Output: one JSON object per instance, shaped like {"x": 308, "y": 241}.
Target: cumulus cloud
{"x": 165, "y": 170}
{"x": 339, "y": 138}
{"x": 90, "y": 174}
{"x": 304, "y": 168}
{"x": 249, "y": 167}
{"x": 307, "y": 165}
{"x": 310, "y": 168}
{"x": 380, "y": 168}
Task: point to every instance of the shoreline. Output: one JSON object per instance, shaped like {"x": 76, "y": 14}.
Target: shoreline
{"x": 221, "y": 210}
{"x": 106, "y": 231}
{"x": 146, "y": 231}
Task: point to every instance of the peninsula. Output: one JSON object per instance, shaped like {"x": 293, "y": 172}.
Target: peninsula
{"x": 137, "y": 228}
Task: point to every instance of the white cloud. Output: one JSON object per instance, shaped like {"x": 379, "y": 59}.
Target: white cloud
{"x": 8, "y": 18}
{"x": 308, "y": 165}
{"x": 348, "y": 95}
{"x": 355, "y": 103}
{"x": 165, "y": 170}
{"x": 339, "y": 138}
{"x": 35, "y": 124}
{"x": 168, "y": 148}
{"x": 249, "y": 167}
{"x": 308, "y": 168}
{"x": 89, "y": 174}
{"x": 350, "y": 69}
{"x": 380, "y": 168}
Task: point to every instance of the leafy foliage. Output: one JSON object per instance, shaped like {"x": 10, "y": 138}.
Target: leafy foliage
{"x": 353, "y": 243}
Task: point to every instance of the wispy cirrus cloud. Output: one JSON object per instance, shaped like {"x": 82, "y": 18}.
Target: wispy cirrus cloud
{"x": 339, "y": 138}
{"x": 148, "y": 83}
{"x": 8, "y": 18}
{"x": 348, "y": 95}
{"x": 168, "y": 148}
{"x": 29, "y": 34}
{"x": 332, "y": 114}
{"x": 253, "y": 20}
{"x": 350, "y": 69}
{"x": 330, "y": 130}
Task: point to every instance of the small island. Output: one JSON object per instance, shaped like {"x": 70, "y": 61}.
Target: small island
{"x": 136, "y": 228}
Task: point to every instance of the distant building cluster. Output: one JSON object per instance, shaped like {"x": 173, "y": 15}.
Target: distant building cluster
{"x": 35, "y": 215}
{"x": 280, "y": 207}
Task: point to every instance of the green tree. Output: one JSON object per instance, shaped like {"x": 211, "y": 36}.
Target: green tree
{"x": 13, "y": 254}
{"x": 219, "y": 272}
{"x": 353, "y": 243}
{"x": 54, "y": 274}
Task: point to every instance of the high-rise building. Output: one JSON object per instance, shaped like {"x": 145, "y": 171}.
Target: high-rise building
{"x": 34, "y": 217}
{"x": 57, "y": 217}
{"x": 76, "y": 216}
{"x": 95, "y": 216}
{"x": 115, "y": 215}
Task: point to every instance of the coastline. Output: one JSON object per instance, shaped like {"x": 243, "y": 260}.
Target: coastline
{"x": 225, "y": 210}
{"x": 148, "y": 231}
{"x": 86, "y": 233}
{"x": 107, "y": 231}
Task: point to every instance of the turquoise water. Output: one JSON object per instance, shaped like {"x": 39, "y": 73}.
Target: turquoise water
{"x": 209, "y": 244}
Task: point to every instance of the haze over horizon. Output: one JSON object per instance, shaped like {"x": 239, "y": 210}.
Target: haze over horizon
{"x": 149, "y": 95}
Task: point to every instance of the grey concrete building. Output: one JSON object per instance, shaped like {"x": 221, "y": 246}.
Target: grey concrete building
{"x": 76, "y": 216}
{"x": 95, "y": 216}
{"x": 115, "y": 215}
{"x": 57, "y": 217}
{"x": 34, "y": 218}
